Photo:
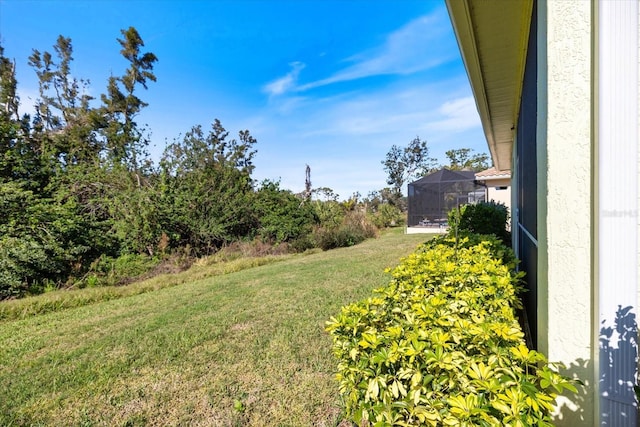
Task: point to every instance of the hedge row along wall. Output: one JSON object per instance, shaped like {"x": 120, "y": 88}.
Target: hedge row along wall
{"x": 441, "y": 344}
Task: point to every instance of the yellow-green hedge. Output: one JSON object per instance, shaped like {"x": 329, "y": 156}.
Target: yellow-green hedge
{"x": 441, "y": 345}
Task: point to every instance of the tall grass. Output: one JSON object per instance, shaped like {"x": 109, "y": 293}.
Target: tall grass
{"x": 244, "y": 348}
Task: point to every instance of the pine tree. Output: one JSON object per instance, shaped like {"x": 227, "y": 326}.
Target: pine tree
{"x": 124, "y": 138}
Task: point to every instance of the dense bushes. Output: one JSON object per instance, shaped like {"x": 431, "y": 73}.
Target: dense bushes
{"x": 353, "y": 229}
{"x": 441, "y": 345}
{"x": 80, "y": 198}
{"x": 482, "y": 218}
{"x": 387, "y": 215}
{"x": 282, "y": 216}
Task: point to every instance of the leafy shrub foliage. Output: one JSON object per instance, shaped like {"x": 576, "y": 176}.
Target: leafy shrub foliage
{"x": 19, "y": 260}
{"x": 355, "y": 228}
{"x": 482, "y": 218}
{"x": 441, "y": 345}
{"x": 207, "y": 189}
{"x": 283, "y": 217}
{"x": 495, "y": 246}
{"x": 107, "y": 271}
{"x": 387, "y": 215}
{"x": 329, "y": 213}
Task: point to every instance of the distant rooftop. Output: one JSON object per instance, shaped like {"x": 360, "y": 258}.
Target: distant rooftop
{"x": 493, "y": 173}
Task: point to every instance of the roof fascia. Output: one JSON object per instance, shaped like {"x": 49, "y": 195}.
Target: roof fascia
{"x": 460, "y": 15}
{"x": 465, "y": 27}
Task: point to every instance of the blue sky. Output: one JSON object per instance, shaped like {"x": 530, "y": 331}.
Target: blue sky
{"x": 333, "y": 84}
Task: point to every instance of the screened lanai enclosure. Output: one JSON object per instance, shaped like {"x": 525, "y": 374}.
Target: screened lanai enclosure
{"x": 433, "y": 196}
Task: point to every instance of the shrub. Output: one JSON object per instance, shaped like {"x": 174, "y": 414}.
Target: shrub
{"x": 482, "y": 218}
{"x": 42, "y": 241}
{"x": 108, "y": 271}
{"x": 329, "y": 213}
{"x": 20, "y": 260}
{"x": 355, "y": 228}
{"x": 497, "y": 248}
{"x": 303, "y": 243}
{"x": 441, "y": 345}
{"x": 283, "y": 217}
{"x": 387, "y": 215}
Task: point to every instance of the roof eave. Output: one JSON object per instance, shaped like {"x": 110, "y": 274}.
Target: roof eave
{"x": 498, "y": 120}
{"x": 493, "y": 178}
{"x": 463, "y": 29}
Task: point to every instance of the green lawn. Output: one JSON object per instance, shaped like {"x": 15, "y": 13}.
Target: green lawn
{"x": 244, "y": 348}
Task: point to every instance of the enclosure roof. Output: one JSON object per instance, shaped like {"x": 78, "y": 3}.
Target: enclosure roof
{"x": 445, "y": 175}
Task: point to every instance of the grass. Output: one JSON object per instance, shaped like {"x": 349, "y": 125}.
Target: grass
{"x": 69, "y": 298}
{"x": 243, "y": 348}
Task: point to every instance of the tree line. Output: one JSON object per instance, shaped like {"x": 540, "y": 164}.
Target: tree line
{"x": 403, "y": 164}
{"x": 80, "y": 198}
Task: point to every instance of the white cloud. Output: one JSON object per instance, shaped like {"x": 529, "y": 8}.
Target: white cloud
{"x": 344, "y": 137}
{"x": 458, "y": 115}
{"x": 423, "y": 107}
{"x": 285, "y": 83}
{"x": 419, "y": 45}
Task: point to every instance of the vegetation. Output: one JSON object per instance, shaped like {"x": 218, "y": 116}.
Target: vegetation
{"x": 413, "y": 161}
{"x": 83, "y": 205}
{"x": 244, "y": 348}
{"x": 466, "y": 159}
{"x": 482, "y": 218}
{"x": 402, "y": 164}
{"x": 441, "y": 345}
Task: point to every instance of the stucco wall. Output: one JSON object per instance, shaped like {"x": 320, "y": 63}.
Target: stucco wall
{"x": 565, "y": 203}
{"x": 499, "y": 195}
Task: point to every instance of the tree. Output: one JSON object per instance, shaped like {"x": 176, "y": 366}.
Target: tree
{"x": 402, "y": 164}
{"x": 125, "y": 140}
{"x": 9, "y": 100}
{"x": 63, "y": 127}
{"x": 325, "y": 194}
{"x": 20, "y": 153}
{"x": 207, "y": 189}
{"x": 281, "y": 215}
{"x": 466, "y": 159}
{"x": 377, "y": 198}
{"x": 11, "y": 139}
{"x": 307, "y": 184}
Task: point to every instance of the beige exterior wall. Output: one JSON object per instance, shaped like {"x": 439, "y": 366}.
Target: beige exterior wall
{"x": 499, "y": 195}
{"x": 565, "y": 287}
{"x": 579, "y": 159}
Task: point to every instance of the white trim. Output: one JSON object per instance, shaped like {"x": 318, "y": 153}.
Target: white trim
{"x": 529, "y": 235}
{"x": 617, "y": 194}
{"x": 492, "y": 178}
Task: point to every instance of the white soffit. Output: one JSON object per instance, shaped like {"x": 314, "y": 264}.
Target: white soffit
{"x": 492, "y": 36}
